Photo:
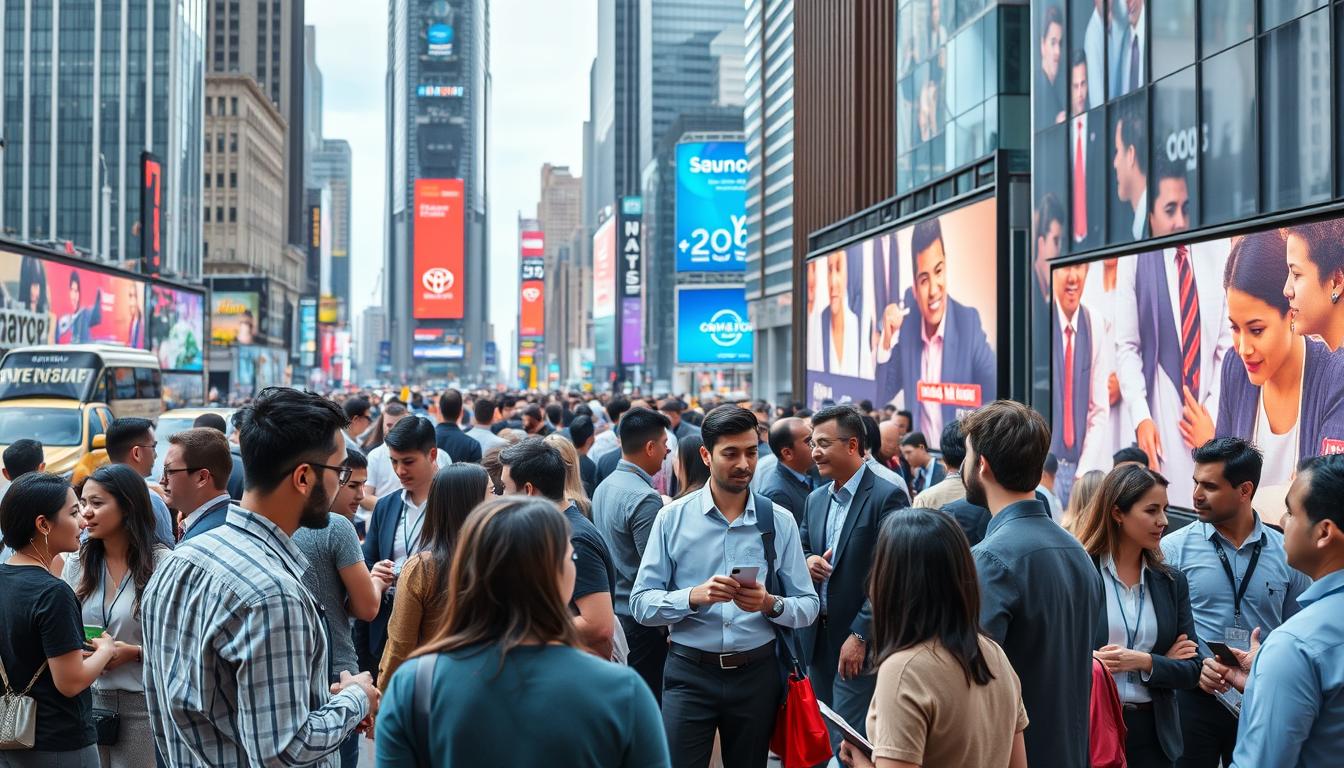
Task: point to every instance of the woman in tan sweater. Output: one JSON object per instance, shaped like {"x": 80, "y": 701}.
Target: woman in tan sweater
{"x": 421, "y": 602}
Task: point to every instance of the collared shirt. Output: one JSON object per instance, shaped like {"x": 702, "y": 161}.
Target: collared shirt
{"x": 841, "y": 500}
{"x": 1129, "y": 609}
{"x": 199, "y": 512}
{"x": 799, "y": 476}
{"x": 1270, "y": 598}
{"x": 931, "y": 370}
{"x": 236, "y": 656}
{"x": 942, "y": 493}
{"x": 383, "y": 478}
{"x": 1140, "y": 223}
{"x": 691, "y": 541}
{"x": 624, "y": 507}
{"x": 1293, "y": 714}
{"x": 406, "y": 541}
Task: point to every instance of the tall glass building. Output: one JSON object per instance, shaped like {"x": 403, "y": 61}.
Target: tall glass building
{"x": 87, "y": 87}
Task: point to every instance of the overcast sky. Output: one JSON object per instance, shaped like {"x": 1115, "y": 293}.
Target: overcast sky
{"x": 540, "y": 53}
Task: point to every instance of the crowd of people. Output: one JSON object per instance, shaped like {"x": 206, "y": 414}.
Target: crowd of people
{"x": 523, "y": 579}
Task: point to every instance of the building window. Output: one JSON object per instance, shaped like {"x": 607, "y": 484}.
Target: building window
{"x": 233, "y": 179}
{"x": 219, "y": 180}
{"x": 207, "y": 210}
{"x": 207, "y": 181}
{"x": 1295, "y": 139}
{"x": 219, "y": 214}
{"x": 1231, "y": 175}
{"x": 219, "y": 143}
{"x": 233, "y": 105}
{"x": 233, "y": 214}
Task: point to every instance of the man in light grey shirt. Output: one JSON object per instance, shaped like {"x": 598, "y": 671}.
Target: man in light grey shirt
{"x": 484, "y": 414}
{"x": 624, "y": 507}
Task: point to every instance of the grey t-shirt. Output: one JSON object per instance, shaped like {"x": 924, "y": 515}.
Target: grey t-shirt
{"x": 328, "y": 551}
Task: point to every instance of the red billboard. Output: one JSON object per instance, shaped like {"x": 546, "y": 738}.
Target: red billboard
{"x": 438, "y": 246}
{"x": 533, "y": 309}
{"x": 532, "y": 244}
{"x": 151, "y": 214}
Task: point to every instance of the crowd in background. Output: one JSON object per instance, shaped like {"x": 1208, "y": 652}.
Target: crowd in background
{"x": 498, "y": 578}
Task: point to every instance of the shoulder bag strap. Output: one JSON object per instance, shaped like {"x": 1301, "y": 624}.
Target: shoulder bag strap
{"x": 765, "y": 523}
{"x": 4, "y": 678}
{"x": 421, "y": 692}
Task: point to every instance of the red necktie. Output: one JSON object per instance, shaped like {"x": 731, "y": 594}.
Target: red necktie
{"x": 1189, "y": 321}
{"x": 1068, "y": 388}
{"x": 1079, "y": 189}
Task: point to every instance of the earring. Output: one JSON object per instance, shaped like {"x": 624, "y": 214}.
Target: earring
{"x": 1334, "y": 297}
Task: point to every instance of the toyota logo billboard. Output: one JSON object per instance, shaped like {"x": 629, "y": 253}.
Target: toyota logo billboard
{"x": 438, "y": 246}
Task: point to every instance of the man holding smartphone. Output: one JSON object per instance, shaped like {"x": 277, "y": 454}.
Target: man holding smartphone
{"x": 722, "y": 672}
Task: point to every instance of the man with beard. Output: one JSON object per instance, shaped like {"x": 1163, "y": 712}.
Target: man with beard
{"x": 394, "y": 530}
{"x": 722, "y": 673}
{"x": 236, "y": 658}
{"x": 1039, "y": 591}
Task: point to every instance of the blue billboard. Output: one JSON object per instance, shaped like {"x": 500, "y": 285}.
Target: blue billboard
{"x": 712, "y": 326}
{"x": 711, "y": 206}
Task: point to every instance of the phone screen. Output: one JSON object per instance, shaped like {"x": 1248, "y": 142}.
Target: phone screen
{"x": 1224, "y": 653}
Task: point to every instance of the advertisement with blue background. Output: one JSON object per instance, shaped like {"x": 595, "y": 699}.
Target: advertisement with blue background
{"x": 712, "y": 326}
{"x": 711, "y": 206}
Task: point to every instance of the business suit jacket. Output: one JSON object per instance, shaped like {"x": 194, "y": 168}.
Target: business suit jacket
{"x": 587, "y": 475}
{"x": 847, "y": 606}
{"x": 937, "y": 473}
{"x": 457, "y": 444}
{"x": 973, "y": 519}
{"x": 213, "y": 518}
{"x": 1320, "y": 415}
{"x": 605, "y": 466}
{"x": 1170, "y": 593}
{"x": 378, "y": 542}
{"x": 786, "y": 490}
{"x": 1040, "y": 595}
{"x": 1094, "y": 185}
{"x": 684, "y": 429}
{"x": 237, "y": 477}
{"x": 967, "y": 358}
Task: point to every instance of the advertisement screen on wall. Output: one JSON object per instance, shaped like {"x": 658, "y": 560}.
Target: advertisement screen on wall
{"x": 1136, "y": 360}
{"x": 631, "y": 280}
{"x": 532, "y": 308}
{"x": 308, "y": 332}
{"x": 712, "y": 326}
{"x": 91, "y": 306}
{"x": 876, "y": 306}
{"x": 437, "y": 344}
{"x": 233, "y": 317}
{"x": 711, "y": 216}
{"x": 438, "y": 247}
{"x": 177, "y": 328}
{"x": 151, "y": 214}
{"x": 439, "y": 40}
{"x": 604, "y": 292}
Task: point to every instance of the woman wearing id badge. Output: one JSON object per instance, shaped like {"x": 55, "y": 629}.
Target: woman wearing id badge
{"x": 1148, "y": 629}
{"x": 108, "y": 575}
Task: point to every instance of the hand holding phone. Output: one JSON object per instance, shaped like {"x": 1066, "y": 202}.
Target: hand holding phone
{"x": 1224, "y": 654}
{"x": 745, "y": 574}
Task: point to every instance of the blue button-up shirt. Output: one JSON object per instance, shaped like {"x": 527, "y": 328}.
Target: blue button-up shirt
{"x": 692, "y": 541}
{"x": 841, "y": 500}
{"x": 1271, "y": 597}
{"x": 1293, "y": 714}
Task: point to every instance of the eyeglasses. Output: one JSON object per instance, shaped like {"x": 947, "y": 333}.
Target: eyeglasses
{"x": 342, "y": 473}
{"x": 148, "y": 446}
{"x": 167, "y": 471}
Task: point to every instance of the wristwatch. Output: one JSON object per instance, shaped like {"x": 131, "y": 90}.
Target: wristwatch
{"x": 776, "y": 608}
{"x": 859, "y": 637}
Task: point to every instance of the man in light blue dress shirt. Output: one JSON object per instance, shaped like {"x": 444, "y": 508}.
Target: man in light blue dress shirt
{"x": 1227, "y": 473}
{"x": 1293, "y": 713}
{"x": 722, "y": 672}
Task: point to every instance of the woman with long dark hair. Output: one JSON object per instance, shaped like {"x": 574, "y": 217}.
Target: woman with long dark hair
{"x": 1150, "y": 630}
{"x": 41, "y": 632}
{"x": 509, "y": 683}
{"x": 422, "y": 589}
{"x": 692, "y": 472}
{"x": 946, "y": 694}
{"x": 108, "y": 575}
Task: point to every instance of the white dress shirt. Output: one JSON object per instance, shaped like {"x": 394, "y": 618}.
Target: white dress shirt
{"x": 406, "y": 541}
{"x": 1136, "y": 32}
{"x": 1094, "y": 46}
{"x": 1139, "y": 227}
{"x": 1129, "y": 605}
{"x": 931, "y": 372}
{"x": 848, "y": 365}
{"x": 196, "y": 514}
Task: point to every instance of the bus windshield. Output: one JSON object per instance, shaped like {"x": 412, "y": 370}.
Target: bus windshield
{"x": 49, "y": 374}
{"x": 49, "y": 426}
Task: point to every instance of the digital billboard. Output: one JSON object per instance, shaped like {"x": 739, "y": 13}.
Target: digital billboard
{"x": 909, "y": 318}
{"x": 437, "y": 344}
{"x": 1169, "y": 348}
{"x": 91, "y": 306}
{"x": 631, "y": 280}
{"x": 711, "y": 229}
{"x": 532, "y": 308}
{"x": 151, "y": 214}
{"x": 308, "y": 331}
{"x": 438, "y": 247}
{"x": 177, "y": 328}
{"x": 234, "y": 317}
{"x": 712, "y": 326}
{"x": 604, "y": 292}
{"x": 439, "y": 40}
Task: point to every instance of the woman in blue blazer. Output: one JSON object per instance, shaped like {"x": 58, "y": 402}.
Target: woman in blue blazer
{"x": 1145, "y": 635}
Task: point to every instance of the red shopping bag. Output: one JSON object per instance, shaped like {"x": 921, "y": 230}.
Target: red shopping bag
{"x": 800, "y": 738}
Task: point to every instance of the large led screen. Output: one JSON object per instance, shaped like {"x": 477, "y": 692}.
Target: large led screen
{"x": 177, "y": 328}
{"x": 604, "y": 292}
{"x": 234, "y": 317}
{"x": 1167, "y": 349}
{"x": 712, "y": 326}
{"x": 438, "y": 247}
{"x": 711, "y": 206}
{"x": 92, "y": 306}
{"x": 908, "y": 318}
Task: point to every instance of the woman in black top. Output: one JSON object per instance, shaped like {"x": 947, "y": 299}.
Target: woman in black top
{"x": 41, "y": 633}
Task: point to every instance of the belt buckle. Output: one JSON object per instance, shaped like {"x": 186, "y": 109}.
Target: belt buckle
{"x": 722, "y": 657}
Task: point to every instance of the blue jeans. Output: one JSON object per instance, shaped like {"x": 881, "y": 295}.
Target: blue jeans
{"x": 350, "y": 751}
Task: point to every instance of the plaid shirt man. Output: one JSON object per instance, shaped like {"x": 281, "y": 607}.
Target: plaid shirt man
{"x": 235, "y": 654}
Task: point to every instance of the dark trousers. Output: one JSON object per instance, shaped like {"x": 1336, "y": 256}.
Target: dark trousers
{"x": 741, "y": 704}
{"x": 350, "y": 750}
{"x": 1209, "y": 730}
{"x": 1142, "y": 749}
{"x": 648, "y": 653}
{"x": 849, "y": 698}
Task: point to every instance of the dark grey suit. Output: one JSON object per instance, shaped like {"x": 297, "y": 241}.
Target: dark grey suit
{"x": 847, "y": 609}
{"x": 787, "y": 491}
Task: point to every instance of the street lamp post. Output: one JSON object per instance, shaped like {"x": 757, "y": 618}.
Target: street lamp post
{"x": 105, "y": 215}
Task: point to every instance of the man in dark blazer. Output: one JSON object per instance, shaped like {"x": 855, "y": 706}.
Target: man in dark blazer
{"x": 839, "y": 535}
{"x": 973, "y": 519}
{"x": 925, "y": 468}
{"x": 1087, "y": 180}
{"x": 952, "y": 331}
{"x": 448, "y": 436}
{"x": 672, "y": 408}
{"x": 1079, "y": 400}
{"x": 1040, "y": 593}
{"x": 789, "y": 482}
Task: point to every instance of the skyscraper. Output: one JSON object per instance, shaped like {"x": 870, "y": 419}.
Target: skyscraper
{"x": 77, "y": 110}
{"x": 437, "y": 269}
{"x": 330, "y": 167}
{"x": 558, "y": 211}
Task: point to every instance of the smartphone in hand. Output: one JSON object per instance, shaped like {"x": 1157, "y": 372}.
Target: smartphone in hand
{"x": 1224, "y": 653}
{"x": 745, "y": 574}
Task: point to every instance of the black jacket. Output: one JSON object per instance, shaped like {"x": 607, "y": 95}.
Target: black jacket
{"x": 457, "y": 444}
{"x": 787, "y": 491}
{"x": 1169, "y": 591}
{"x": 972, "y": 518}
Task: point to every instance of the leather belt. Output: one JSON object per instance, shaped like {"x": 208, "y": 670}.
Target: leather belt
{"x": 1142, "y": 706}
{"x": 733, "y": 660}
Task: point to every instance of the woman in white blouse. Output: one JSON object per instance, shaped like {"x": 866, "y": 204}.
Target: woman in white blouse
{"x": 108, "y": 575}
{"x": 1149, "y": 630}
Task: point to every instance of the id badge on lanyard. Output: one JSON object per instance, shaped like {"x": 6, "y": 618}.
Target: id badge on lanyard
{"x": 1238, "y": 635}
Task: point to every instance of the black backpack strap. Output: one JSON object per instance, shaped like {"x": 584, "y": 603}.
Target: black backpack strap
{"x": 765, "y": 523}
{"x": 421, "y": 693}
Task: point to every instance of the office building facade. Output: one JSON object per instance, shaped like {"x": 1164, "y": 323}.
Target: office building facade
{"x": 331, "y": 169}
{"x": 559, "y": 214}
{"x": 85, "y": 89}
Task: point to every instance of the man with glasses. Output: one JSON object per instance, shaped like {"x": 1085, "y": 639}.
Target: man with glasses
{"x": 130, "y": 441}
{"x": 236, "y": 656}
{"x": 195, "y": 479}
